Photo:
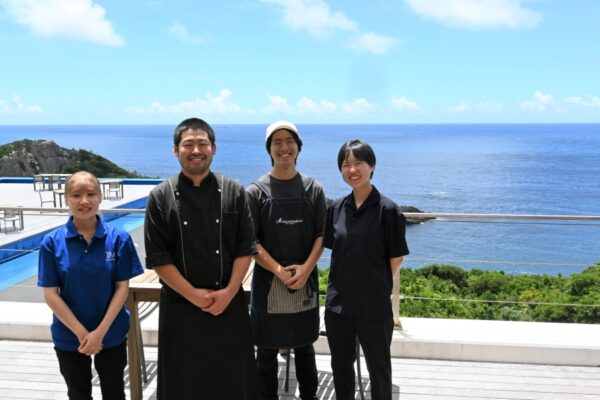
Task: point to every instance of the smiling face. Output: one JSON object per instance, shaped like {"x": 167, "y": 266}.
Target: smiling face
{"x": 83, "y": 196}
{"x": 195, "y": 153}
{"x": 284, "y": 149}
{"x": 356, "y": 173}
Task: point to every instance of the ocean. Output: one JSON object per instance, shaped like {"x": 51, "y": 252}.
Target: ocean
{"x": 492, "y": 168}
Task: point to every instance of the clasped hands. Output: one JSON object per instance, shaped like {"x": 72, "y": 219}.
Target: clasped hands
{"x": 294, "y": 276}
{"x": 90, "y": 343}
{"x": 212, "y": 301}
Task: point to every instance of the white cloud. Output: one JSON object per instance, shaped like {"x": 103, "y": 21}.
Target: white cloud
{"x": 277, "y": 104}
{"x": 477, "y": 14}
{"x": 220, "y": 104}
{"x": 180, "y": 31}
{"x": 480, "y": 107}
{"x": 539, "y": 102}
{"x": 373, "y": 43}
{"x": 328, "y": 106}
{"x": 71, "y": 19}
{"x": 15, "y": 106}
{"x": 460, "y": 108}
{"x": 358, "y": 106}
{"x": 313, "y": 16}
{"x": 316, "y": 18}
{"x": 306, "y": 105}
{"x": 485, "y": 106}
{"x": 587, "y": 102}
{"x": 404, "y": 104}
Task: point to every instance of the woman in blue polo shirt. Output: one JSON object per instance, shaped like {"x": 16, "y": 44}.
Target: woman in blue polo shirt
{"x": 365, "y": 231}
{"x": 84, "y": 268}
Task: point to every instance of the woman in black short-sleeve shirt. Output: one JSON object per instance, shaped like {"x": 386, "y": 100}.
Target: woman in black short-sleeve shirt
{"x": 366, "y": 233}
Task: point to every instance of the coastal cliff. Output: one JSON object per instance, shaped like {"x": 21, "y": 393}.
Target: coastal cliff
{"x": 30, "y": 157}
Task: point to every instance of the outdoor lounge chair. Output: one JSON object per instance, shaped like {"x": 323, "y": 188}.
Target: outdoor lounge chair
{"x": 12, "y": 216}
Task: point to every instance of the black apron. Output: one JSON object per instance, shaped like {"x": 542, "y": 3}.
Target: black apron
{"x": 282, "y": 318}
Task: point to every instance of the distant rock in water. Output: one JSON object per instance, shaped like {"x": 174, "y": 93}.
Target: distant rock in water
{"x": 406, "y": 209}
{"x": 30, "y": 157}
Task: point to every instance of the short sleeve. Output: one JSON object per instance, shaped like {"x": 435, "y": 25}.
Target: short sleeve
{"x": 253, "y": 197}
{"x": 320, "y": 208}
{"x": 47, "y": 273}
{"x": 156, "y": 235}
{"x": 395, "y": 232}
{"x": 245, "y": 241}
{"x": 128, "y": 262}
{"x": 328, "y": 228}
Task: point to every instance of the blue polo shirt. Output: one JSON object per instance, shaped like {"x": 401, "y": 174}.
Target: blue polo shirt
{"x": 86, "y": 275}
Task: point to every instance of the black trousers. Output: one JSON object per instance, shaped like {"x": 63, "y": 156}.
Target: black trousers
{"x": 76, "y": 369}
{"x": 306, "y": 372}
{"x": 375, "y": 336}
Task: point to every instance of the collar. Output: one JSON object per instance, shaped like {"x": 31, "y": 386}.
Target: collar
{"x": 188, "y": 182}
{"x": 71, "y": 229}
{"x": 373, "y": 198}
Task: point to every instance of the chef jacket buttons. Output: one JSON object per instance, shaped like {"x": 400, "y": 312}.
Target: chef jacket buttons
{"x": 185, "y": 222}
{"x": 217, "y": 220}
{"x": 217, "y": 251}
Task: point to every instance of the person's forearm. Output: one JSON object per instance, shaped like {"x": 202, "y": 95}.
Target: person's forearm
{"x": 170, "y": 275}
{"x": 301, "y": 272}
{"x": 63, "y": 312}
{"x": 264, "y": 259}
{"x": 395, "y": 264}
{"x": 114, "y": 307}
{"x": 315, "y": 253}
{"x": 238, "y": 272}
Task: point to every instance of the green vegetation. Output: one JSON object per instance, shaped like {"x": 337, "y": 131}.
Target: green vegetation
{"x": 447, "y": 291}
{"x": 87, "y": 161}
{"x": 6, "y": 149}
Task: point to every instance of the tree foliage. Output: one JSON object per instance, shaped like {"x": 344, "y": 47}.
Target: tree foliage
{"x": 448, "y": 291}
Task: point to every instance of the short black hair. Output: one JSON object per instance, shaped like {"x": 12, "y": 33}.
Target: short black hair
{"x": 193, "y": 124}
{"x": 361, "y": 151}
{"x": 294, "y": 135}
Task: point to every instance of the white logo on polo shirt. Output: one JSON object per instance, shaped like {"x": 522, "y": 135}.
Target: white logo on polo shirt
{"x": 110, "y": 256}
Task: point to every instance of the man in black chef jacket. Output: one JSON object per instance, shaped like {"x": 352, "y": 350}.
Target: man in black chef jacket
{"x": 199, "y": 240}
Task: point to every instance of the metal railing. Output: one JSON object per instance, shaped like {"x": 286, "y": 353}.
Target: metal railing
{"x": 454, "y": 217}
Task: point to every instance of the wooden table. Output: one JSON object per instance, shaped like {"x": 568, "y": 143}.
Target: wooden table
{"x": 145, "y": 287}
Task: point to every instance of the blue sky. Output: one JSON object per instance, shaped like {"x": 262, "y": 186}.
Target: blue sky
{"x": 310, "y": 61}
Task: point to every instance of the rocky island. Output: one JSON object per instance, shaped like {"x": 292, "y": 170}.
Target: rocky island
{"x": 30, "y": 157}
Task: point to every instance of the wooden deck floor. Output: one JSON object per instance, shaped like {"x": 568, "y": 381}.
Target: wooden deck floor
{"x": 29, "y": 370}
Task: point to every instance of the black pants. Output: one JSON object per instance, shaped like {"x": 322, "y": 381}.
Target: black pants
{"x": 306, "y": 372}
{"x": 76, "y": 369}
{"x": 375, "y": 336}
